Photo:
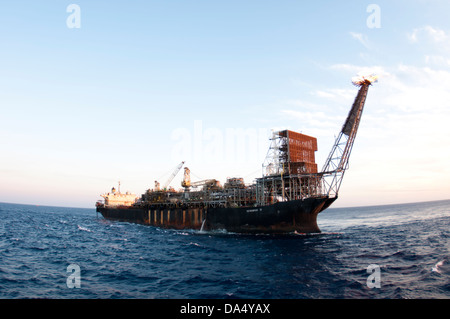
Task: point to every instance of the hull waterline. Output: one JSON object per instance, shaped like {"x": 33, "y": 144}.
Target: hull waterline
{"x": 283, "y": 217}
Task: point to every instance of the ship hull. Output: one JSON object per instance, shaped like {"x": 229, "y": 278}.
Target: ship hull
{"x": 283, "y": 217}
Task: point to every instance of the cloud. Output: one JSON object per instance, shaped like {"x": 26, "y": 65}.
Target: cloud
{"x": 428, "y": 32}
{"x": 361, "y": 38}
{"x": 407, "y": 88}
{"x": 334, "y": 93}
{"x": 437, "y": 60}
{"x": 435, "y": 41}
{"x": 315, "y": 118}
{"x": 404, "y": 133}
{"x": 325, "y": 94}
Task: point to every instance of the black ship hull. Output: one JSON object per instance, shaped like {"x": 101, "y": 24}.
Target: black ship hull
{"x": 282, "y": 217}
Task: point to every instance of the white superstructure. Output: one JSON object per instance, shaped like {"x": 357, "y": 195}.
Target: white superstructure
{"x": 116, "y": 198}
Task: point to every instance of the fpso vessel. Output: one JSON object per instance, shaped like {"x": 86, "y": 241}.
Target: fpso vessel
{"x": 287, "y": 198}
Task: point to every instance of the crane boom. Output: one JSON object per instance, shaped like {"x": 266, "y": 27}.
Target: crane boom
{"x": 203, "y": 183}
{"x": 175, "y": 172}
{"x": 337, "y": 161}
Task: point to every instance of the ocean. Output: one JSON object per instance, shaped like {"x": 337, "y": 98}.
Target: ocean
{"x": 381, "y": 252}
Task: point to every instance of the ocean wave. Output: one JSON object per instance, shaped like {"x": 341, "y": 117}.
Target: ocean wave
{"x": 442, "y": 267}
{"x": 84, "y": 229}
{"x": 124, "y": 260}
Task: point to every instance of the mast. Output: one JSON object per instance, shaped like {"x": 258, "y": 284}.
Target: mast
{"x": 338, "y": 159}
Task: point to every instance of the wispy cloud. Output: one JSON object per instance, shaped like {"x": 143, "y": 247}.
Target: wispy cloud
{"x": 436, "y": 41}
{"x": 429, "y": 33}
{"x": 315, "y": 118}
{"x": 334, "y": 93}
{"x": 407, "y": 88}
{"x": 363, "y": 39}
{"x": 411, "y": 108}
{"x": 316, "y": 123}
{"x": 437, "y": 60}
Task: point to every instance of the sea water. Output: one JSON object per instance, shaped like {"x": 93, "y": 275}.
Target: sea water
{"x": 395, "y": 251}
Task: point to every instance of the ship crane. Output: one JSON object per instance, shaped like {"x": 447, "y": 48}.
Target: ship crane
{"x": 175, "y": 172}
{"x": 206, "y": 182}
{"x": 337, "y": 161}
{"x": 187, "y": 184}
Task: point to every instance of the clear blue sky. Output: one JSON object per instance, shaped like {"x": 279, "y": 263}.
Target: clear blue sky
{"x": 143, "y": 85}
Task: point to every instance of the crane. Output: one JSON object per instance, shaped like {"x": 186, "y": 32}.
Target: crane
{"x": 175, "y": 172}
{"x": 186, "y": 182}
{"x": 337, "y": 162}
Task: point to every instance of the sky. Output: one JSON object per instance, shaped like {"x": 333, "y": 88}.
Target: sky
{"x": 96, "y": 92}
